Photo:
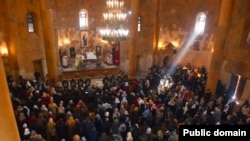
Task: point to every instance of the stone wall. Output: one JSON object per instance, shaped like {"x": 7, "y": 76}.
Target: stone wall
{"x": 186, "y": 50}
{"x": 174, "y": 23}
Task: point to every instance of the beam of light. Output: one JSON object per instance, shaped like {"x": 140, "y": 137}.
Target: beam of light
{"x": 235, "y": 91}
{"x": 182, "y": 53}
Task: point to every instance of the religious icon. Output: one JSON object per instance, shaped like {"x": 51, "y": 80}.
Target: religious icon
{"x": 98, "y": 50}
{"x": 196, "y": 45}
{"x": 116, "y": 54}
{"x": 84, "y": 39}
{"x": 72, "y": 52}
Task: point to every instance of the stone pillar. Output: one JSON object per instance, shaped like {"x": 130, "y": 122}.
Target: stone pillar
{"x": 220, "y": 39}
{"x": 133, "y": 34}
{"x": 11, "y": 37}
{"x": 49, "y": 41}
{"x": 156, "y": 52}
{"x": 8, "y": 126}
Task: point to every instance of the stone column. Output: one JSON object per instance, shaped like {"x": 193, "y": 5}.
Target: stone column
{"x": 133, "y": 33}
{"x": 156, "y": 52}
{"x": 49, "y": 41}
{"x": 8, "y": 126}
{"x": 220, "y": 39}
{"x": 11, "y": 37}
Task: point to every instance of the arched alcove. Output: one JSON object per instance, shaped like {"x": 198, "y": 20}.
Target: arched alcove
{"x": 240, "y": 74}
{"x": 240, "y": 68}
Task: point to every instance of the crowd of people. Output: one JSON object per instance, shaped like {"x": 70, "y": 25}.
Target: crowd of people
{"x": 146, "y": 109}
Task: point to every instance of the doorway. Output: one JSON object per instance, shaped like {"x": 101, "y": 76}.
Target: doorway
{"x": 38, "y": 66}
{"x": 236, "y": 87}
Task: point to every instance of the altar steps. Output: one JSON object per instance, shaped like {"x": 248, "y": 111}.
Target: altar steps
{"x": 90, "y": 73}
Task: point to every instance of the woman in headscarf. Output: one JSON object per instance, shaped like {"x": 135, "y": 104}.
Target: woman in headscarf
{"x": 51, "y": 130}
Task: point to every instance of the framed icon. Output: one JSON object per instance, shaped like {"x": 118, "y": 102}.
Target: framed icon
{"x": 84, "y": 39}
{"x": 98, "y": 51}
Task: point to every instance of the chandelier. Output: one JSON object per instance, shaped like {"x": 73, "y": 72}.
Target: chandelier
{"x": 114, "y": 17}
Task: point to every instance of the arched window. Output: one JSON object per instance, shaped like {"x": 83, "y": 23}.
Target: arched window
{"x": 30, "y": 23}
{"x": 83, "y": 19}
{"x": 200, "y": 23}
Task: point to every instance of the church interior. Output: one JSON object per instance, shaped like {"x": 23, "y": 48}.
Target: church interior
{"x": 61, "y": 40}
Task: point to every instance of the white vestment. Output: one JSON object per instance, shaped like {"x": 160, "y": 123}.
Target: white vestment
{"x": 65, "y": 61}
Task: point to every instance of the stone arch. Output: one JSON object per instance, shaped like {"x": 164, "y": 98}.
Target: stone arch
{"x": 240, "y": 68}
{"x": 245, "y": 36}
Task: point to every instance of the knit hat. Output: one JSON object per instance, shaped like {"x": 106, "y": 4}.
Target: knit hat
{"x": 126, "y": 83}
{"x": 71, "y": 101}
{"x": 83, "y": 139}
{"x": 19, "y": 108}
{"x": 117, "y": 100}
{"x": 44, "y": 94}
{"x": 106, "y": 114}
{"x": 51, "y": 120}
{"x": 136, "y": 125}
{"x": 116, "y": 110}
{"x": 148, "y": 130}
{"x": 25, "y": 125}
{"x": 35, "y": 107}
{"x": 126, "y": 112}
{"x": 26, "y": 131}
{"x": 98, "y": 116}
{"x": 124, "y": 99}
{"x": 43, "y": 107}
{"x": 33, "y": 134}
{"x": 68, "y": 113}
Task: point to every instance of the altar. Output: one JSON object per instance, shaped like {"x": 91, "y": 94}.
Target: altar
{"x": 86, "y": 64}
{"x": 82, "y": 60}
{"x": 91, "y": 72}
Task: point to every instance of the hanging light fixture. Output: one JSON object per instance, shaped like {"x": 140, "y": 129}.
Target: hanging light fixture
{"x": 114, "y": 17}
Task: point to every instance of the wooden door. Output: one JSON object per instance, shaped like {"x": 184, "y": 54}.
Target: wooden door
{"x": 232, "y": 86}
{"x": 38, "y": 66}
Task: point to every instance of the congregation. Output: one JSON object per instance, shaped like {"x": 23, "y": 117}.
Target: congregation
{"x": 147, "y": 109}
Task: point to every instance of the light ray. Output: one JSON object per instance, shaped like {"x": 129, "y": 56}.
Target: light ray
{"x": 182, "y": 53}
